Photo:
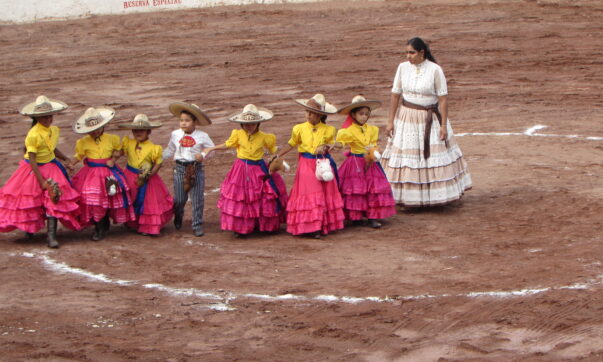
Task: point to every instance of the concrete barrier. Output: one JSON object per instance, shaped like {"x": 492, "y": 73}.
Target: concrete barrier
{"x": 25, "y": 11}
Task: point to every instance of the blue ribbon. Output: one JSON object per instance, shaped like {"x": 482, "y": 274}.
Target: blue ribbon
{"x": 119, "y": 176}
{"x": 264, "y": 168}
{"x": 331, "y": 161}
{"x": 140, "y": 194}
{"x": 59, "y": 165}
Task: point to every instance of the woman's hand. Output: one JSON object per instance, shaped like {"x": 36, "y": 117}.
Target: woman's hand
{"x": 68, "y": 164}
{"x": 389, "y": 130}
{"x": 443, "y": 133}
{"x": 110, "y": 163}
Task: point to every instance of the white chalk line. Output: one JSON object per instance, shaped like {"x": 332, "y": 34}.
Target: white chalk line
{"x": 531, "y": 132}
{"x": 221, "y": 301}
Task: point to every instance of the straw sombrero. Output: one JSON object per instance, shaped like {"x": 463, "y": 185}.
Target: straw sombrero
{"x": 251, "y": 114}
{"x": 43, "y": 107}
{"x": 357, "y": 102}
{"x": 317, "y": 104}
{"x": 93, "y": 119}
{"x": 141, "y": 121}
{"x": 177, "y": 107}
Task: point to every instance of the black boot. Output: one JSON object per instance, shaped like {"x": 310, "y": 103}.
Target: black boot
{"x": 101, "y": 228}
{"x": 51, "y": 223}
{"x": 178, "y": 222}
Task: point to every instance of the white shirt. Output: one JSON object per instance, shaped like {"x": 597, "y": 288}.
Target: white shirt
{"x": 184, "y": 146}
{"x": 420, "y": 84}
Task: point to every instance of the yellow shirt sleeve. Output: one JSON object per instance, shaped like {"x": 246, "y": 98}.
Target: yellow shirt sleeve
{"x": 344, "y": 136}
{"x": 157, "y": 154}
{"x": 79, "y": 149}
{"x": 233, "y": 140}
{"x": 32, "y": 141}
{"x": 116, "y": 143}
{"x": 270, "y": 142}
{"x": 330, "y": 134}
{"x": 125, "y": 143}
{"x": 295, "y": 139}
{"x": 374, "y": 135}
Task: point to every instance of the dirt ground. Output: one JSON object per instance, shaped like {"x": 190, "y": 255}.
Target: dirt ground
{"x": 513, "y": 272}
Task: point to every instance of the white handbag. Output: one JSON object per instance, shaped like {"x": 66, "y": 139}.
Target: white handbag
{"x": 323, "y": 170}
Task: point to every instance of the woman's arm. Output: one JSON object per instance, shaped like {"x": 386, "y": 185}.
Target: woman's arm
{"x": 206, "y": 151}
{"x": 66, "y": 160}
{"x": 443, "y": 104}
{"x": 393, "y": 108}
{"x": 285, "y": 150}
{"x": 36, "y": 170}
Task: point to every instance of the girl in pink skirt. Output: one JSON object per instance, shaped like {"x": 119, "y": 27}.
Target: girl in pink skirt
{"x": 251, "y": 197}
{"x": 102, "y": 184}
{"x": 39, "y": 189}
{"x": 153, "y": 204}
{"x": 364, "y": 187}
{"x": 315, "y": 206}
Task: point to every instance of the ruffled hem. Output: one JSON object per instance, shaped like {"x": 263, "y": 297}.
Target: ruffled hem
{"x": 25, "y": 206}
{"x": 432, "y": 194}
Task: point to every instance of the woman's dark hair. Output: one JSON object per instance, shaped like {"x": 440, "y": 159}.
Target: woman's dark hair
{"x": 419, "y": 45}
{"x": 33, "y": 122}
{"x": 323, "y": 118}
{"x": 190, "y": 114}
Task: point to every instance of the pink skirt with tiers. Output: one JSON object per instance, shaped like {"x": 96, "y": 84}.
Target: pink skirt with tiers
{"x": 95, "y": 203}
{"x": 248, "y": 199}
{"x": 158, "y": 207}
{"x": 25, "y": 206}
{"x": 314, "y": 206}
{"x": 365, "y": 192}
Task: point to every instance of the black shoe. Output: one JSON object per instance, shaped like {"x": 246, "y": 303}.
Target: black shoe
{"x": 178, "y": 222}
{"x": 374, "y": 224}
{"x": 101, "y": 228}
{"x": 52, "y": 232}
{"x": 199, "y": 232}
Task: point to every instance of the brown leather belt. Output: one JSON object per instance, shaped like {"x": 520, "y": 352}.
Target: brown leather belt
{"x": 431, "y": 109}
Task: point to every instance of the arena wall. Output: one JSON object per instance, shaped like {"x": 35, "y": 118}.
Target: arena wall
{"x": 24, "y": 11}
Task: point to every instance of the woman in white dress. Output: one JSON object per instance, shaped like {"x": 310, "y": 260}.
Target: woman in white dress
{"x": 422, "y": 160}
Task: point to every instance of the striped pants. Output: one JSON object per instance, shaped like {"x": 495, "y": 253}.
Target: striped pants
{"x": 196, "y": 192}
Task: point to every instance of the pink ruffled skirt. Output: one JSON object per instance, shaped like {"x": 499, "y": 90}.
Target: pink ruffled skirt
{"x": 365, "y": 192}
{"x": 314, "y": 206}
{"x": 25, "y": 206}
{"x": 158, "y": 207}
{"x": 248, "y": 199}
{"x": 95, "y": 203}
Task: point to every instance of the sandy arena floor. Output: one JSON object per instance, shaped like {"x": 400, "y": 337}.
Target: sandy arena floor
{"x": 513, "y": 272}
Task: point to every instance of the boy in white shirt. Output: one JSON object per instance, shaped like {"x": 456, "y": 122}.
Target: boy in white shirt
{"x": 186, "y": 147}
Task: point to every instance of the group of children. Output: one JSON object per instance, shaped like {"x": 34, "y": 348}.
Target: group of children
{"x": 253, "y": 195}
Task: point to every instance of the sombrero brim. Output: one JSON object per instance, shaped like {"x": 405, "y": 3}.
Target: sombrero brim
{"x": 329, "y": 108}
{"x": 202, "y": 118}
{"x": 106, "y": 114}
{"x": 151, "y": 125}
{"x": 372, "y": 104}
{"x": 265, "y": 115}
{"x": 29, "y": 109}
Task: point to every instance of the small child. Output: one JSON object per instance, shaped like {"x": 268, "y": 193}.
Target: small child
{"x": 314, "y": 206}
{"x": 39, "y": 189}
{"x": 102, "y": 184}
{"x": 153, "y": 204}
{"x": 250, "y": 197}
{"x": 185, "y": 143}
{"x": 362, "y": 182}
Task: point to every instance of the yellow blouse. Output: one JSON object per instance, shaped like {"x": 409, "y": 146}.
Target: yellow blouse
{"x": 251, "y": 147}
{"x": 308, "y": 137}
{"x": 42, "y": 141}
{"x": 88, "y": 147}
{"x": 142, "y": 153}
{"x": 358, "y": 137}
